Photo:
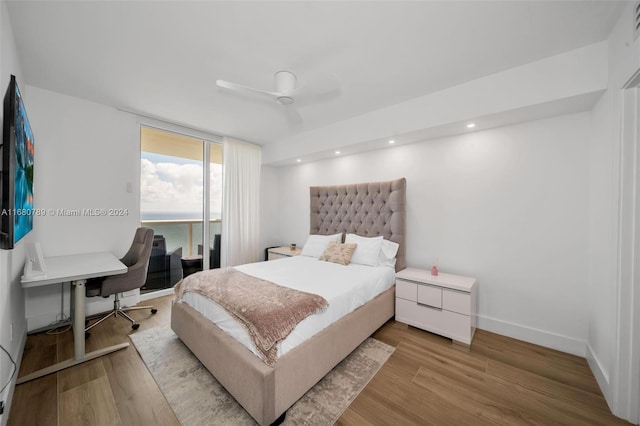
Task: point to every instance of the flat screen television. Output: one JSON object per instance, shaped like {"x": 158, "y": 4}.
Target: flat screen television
{"x": 17, "y": 169}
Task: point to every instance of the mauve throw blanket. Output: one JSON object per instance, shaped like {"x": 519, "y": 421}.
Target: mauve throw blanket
{"x": 269, "y": 311}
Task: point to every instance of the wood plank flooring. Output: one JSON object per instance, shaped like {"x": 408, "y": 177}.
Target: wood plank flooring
{"x": 116, "y": 389}
{"x": 427, "y": 381}
{"x": 498, "y": 381}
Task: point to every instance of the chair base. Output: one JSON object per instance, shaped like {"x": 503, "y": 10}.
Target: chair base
{"x": 117, "y": 310}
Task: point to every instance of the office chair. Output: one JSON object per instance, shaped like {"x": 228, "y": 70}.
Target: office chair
{"x": 137, "y": 262}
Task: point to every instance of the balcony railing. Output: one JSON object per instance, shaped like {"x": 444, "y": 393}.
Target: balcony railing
{"x": 181, "y": 232}
{"x": 176, "y": 241}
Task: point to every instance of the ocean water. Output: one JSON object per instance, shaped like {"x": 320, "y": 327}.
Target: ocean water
{"x": 176, "y": 235}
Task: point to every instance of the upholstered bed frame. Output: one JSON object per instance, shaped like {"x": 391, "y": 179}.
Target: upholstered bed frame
{"x": 368, "y": 209}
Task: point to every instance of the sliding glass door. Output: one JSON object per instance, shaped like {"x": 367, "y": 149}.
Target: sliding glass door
{"x": 180, "y": 185}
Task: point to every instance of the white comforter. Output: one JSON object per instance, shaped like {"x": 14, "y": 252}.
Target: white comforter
{"x": 344, "y": 287}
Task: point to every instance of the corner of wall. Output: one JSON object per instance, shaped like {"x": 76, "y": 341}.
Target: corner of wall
{"x": 600, "y": 373}
{"x": 604, "y": 352}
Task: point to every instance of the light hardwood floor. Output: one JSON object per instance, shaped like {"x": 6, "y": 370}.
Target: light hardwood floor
{"x": 427, "y": 381}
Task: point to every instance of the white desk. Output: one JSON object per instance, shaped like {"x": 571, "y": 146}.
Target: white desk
{"x": 75, "y": 268}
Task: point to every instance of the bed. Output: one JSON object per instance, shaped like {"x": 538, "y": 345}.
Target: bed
{"x": 368, "y": 210}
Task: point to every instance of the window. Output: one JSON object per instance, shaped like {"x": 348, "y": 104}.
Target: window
{"x": 172, "y": 196}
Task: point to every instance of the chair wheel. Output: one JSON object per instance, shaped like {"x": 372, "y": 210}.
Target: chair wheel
{"x": 154, "y": 310}
{"x": 135, "y": 326}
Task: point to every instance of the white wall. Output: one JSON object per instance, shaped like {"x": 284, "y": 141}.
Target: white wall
{"x": 86, "y": 156}
{"x": 507, "y": 206}
{"x": 11, "y": 261}
{"x": 604, "y": 180}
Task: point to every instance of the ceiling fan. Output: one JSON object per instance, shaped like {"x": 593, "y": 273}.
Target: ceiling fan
{"x": 286, "y": 94}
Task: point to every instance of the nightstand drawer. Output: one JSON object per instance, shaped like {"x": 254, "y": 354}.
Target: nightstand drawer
{"x": 445, "y": 323}
{"x": 407, "y": 290}
{"x": 431, "y": 296}
{"x": 444, "y": 304}
{"x": 456, "y": 301}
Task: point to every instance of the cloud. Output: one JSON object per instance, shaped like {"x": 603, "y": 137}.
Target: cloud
{"x": 174, "y": 187}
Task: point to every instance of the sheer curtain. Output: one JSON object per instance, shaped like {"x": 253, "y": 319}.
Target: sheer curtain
{"x": 240, "y": 202}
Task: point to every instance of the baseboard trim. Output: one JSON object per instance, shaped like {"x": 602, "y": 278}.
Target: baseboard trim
{"x": 600, "y": 373}
{"x": 154, "y": 294}
{"x": 533, "y": 335}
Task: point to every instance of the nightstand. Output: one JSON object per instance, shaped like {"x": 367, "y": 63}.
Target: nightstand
{"x": 444, "y": 304}
{"x": 280, "y": 252}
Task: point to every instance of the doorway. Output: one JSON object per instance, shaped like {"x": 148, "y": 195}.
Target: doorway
{"x": 181, "y": 200}
{"x": 627, "y": 373}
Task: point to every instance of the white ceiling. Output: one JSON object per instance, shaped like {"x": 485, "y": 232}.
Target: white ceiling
{"x": 163, "y": 58}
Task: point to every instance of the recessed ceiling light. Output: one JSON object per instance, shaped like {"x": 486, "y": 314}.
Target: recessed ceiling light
{"x": 392, "y": 141}
{"x": 471, "y": 125}
{"x": 298, "y": 160}
{"x": 337, "y": 152}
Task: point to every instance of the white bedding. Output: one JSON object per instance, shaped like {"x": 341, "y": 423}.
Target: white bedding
{"x": 344, "y": 287}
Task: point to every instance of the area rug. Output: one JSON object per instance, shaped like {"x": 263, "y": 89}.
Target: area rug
{"x": 198, "y": 399}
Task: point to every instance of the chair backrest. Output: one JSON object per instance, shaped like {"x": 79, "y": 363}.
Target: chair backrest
{"x": 215, "y": 262}
{"x": 140, "y": 249}
{"x": 214, "y": 253}
{"x": 137, "y": 261}
{"x": 159, "y": 245}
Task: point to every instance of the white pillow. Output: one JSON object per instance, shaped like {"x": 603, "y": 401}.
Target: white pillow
{"x": 316, "y": 244}
{"x": 388, "y": 253}
{"x": 367, "y": 249}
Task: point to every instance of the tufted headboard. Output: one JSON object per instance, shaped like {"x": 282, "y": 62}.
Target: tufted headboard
{"x": 365, "y": 209}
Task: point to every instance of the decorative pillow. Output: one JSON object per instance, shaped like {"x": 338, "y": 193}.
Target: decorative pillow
{"x": 367, "y": 251}
{"x": 316, "y": 244}
{"x": 338, "y": 253}
{"x": 388, "y": 253}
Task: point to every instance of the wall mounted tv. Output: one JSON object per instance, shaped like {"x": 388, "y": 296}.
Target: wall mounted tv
{"x": 17, "y": 170}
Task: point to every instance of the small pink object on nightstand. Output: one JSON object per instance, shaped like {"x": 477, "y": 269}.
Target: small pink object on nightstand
{"x": 434, "y": 270}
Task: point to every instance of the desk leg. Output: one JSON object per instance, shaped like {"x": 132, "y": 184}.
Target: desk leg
{"x": 78, "y": 319}
{"x": 79, "y": 356}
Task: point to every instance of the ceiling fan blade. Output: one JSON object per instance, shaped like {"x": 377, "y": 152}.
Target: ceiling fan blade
{"x": 246, "y": 89}
{"x": 293, "y": 116}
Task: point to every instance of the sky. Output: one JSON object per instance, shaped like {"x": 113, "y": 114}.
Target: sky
{"x": 173, "y": 185}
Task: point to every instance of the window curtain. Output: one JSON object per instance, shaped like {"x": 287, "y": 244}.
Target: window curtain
{"x": 240, "y": 202}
